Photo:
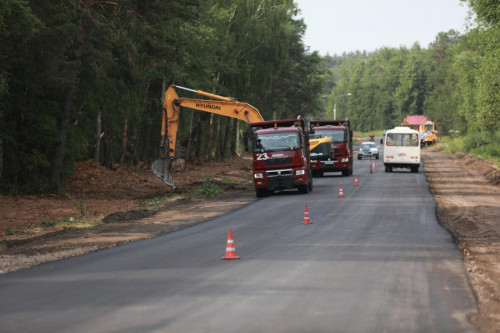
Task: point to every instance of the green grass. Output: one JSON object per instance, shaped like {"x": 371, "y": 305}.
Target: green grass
{"x": 162, "y": 198}
{"x": 47, "y": 223}
{"x": 228, "y": 181}
{"x": 10, "y": 231}
{"x": 477, "y": 145}
{"x": 208, "y": 189}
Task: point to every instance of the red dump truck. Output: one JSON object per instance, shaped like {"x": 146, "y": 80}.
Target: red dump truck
{"x": 281, "y": 157}
{"x": 340, "y": 132}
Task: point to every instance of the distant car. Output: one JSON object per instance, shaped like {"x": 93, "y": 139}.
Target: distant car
{"x": 368, "y": 149}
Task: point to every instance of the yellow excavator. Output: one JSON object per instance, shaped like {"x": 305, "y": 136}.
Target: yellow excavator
{"x": 224, "y": 106}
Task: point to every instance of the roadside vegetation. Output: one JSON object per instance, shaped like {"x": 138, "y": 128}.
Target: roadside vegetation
{"x": 477, "y": 145}
{"x": 83, "y": 80}
{"x": 453, "y": 81}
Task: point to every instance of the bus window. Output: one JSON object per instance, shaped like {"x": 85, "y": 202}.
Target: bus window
{"x": 402, "y": 140}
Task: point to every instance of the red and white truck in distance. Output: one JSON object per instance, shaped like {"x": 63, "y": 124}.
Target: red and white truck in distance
{"x": 340, "y": 132}
{"x": 281, "y": 157}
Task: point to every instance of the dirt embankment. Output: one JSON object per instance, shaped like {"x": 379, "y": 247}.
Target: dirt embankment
{"x": 468, "y": 196}
{"x": 105, "y": 208}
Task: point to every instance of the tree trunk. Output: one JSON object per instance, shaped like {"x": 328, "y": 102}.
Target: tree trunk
{"x": 189, "y": 136}
{"x": 98, "y": 137}
{"x": 234, "y": 143}
{"x": 1, "y": 158}
{"x": 218, "y": 147}
{"x": 124, "y": 141}
{"x": 226, "y": 142}
{"x": 108, "y": 154}
{"x": 136, "y": 144}
{"x": 210, "y": 124}
{"x": 199, "y": 130}
{"x": 210, "y": 137}
{"x": 58, "y": 158}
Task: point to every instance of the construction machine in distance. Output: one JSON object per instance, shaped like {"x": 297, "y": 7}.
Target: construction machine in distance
{"x": 277, "y": 167}
{"x": 340, "y": 132}
{"x": 426, "y": 128}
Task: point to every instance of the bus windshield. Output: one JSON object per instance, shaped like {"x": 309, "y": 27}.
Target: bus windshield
{"x": 276, "y": 141}
{"x": 402, "y": 139}
{"x": 337, "y": 136}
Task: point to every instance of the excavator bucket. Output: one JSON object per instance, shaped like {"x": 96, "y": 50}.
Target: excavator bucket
{"x": 161, "y": 168}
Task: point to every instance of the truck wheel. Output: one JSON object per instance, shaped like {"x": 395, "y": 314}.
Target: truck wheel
{"x": 321, "y": 173}
{"x": 261, "y": 192}
{"x": 359, "y": 157}
{"x": 376, "y": 157}
{"x": 345, "y": 173}
{"x": 304, "y": 189}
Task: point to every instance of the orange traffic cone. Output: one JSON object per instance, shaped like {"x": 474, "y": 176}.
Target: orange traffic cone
{"x": 356, "y": 183}
{"x": 230, "y": 250}
{"x": 306, "y": 216}
{"x": 373, "y": 165}
{"x": 341, "y": 192}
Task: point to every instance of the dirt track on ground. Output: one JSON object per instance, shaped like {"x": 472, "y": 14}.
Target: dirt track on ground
{"x": 466, "y": 190}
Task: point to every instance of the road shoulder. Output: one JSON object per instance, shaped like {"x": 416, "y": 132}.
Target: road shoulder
{"x": 467, "y": 194}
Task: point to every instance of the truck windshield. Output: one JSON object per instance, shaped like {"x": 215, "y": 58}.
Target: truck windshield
{"x": 402, "y": 139}
{"x": 276, "y": 141}
{"x": 337, "y": 136}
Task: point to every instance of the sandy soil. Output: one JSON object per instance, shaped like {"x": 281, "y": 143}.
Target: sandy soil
{"x": 468, "y": 196}
{"x": 105, "y": 208}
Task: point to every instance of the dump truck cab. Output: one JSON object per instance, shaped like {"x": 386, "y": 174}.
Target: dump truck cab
{"x": 281, "y": 157}
{"x": 340, "y": 132}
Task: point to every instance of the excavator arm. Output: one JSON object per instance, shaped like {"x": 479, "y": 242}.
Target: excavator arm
{"x": 224, "y": 106}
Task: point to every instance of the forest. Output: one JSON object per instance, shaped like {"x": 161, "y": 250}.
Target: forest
{"x": 84, "y": 79}
{"x": 454, "y": 81}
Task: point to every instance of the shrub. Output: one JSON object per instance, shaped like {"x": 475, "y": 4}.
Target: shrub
{"x": 208, "y": 188}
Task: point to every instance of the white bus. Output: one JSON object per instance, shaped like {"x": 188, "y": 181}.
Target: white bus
{"x": 402, "y": 149}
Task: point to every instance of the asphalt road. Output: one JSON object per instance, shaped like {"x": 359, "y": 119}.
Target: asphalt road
{"x": 375, "y": 260}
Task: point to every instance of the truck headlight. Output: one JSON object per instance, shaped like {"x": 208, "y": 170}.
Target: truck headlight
{"x": 300, "y": 172}
{"x": 345, "y": 159}
{"x": 258, "y": 175}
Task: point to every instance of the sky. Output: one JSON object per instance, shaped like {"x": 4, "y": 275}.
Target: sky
{"x": 338, "y": 26}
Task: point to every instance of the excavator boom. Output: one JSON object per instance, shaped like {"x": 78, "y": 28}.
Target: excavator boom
{"x": 224, "y": 106}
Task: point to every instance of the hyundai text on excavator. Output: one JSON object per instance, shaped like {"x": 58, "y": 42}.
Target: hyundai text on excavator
{"x": 340, "y": 132}
{"x": 270, "y": 167}
{"x": 281, "y": 157}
